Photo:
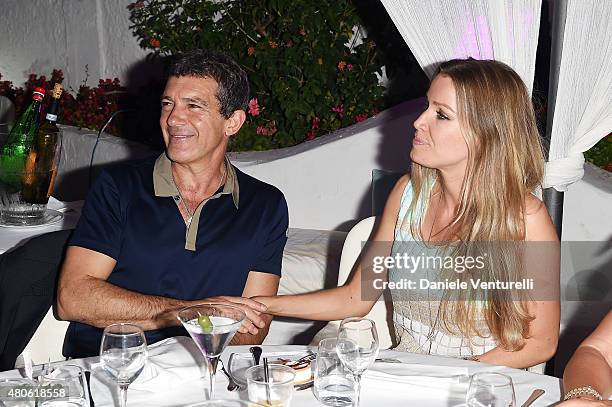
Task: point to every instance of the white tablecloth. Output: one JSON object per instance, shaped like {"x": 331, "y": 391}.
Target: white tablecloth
{"x": 181, "y": 386}
{"x": 11, "y": 237}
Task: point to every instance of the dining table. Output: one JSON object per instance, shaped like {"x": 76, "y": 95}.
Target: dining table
{"x": 175, "y": 375}
{"x": 66, "y": 216}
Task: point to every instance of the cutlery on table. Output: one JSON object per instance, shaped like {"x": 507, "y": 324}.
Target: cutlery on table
{"x": 87, "y": 379}
{"x": 387, "y": 360}
{"x": 534, "y": 396}
{"x": 307, "y": 358}
{"x": 256, "y": 352}
{"x": 231, "y": 385}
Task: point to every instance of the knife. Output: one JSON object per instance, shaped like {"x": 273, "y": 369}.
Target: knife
{"x": 87, "y": 378}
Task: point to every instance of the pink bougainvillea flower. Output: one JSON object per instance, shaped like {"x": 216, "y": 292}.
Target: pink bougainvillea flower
{"x": 265, "y": 130}
{"x": 310, "y": 135}
{"x": 137, "y": 5}
{"x": 341, "y": 65}
{"x": 254, "y": 107}
{"x": 349, "y": 67}
{"x": 316, "y": 122}
{"x": 338, "y": 109}
{"x": 250, "y": 51}
{"x": 302, "y": 32}
{"x": 361, "y": 117}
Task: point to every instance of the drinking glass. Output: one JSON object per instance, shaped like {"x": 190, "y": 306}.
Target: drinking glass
{"x": 71, "y": 383}
{"x": 333, "y": 383}
{"x": 14, "y": 392}
{"x": 224, "y": 320}
{"x": 357, "y": 347}
{"x": 123, "y": 354}
{"x": 490, "y": 390}
{"x": 276, "y": 391}
{"x": 4, "y": 132}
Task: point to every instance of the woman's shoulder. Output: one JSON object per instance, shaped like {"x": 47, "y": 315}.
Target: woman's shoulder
{"x": 538, "y": 224}
{"x": 401, "y": 183}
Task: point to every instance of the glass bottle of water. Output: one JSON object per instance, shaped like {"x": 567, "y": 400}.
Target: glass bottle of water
{"x": 20, "y": 139}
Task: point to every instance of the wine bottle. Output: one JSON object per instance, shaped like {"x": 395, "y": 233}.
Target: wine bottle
{"x": 19, "y": 142}
{"x": 41, "y": 164}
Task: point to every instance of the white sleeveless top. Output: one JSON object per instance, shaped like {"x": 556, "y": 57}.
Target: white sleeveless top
{"x": 416, "y": 314}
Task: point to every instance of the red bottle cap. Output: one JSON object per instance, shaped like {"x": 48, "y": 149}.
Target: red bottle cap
{"x": 39, "y": 93}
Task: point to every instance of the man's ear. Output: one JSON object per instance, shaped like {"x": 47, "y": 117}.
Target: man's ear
{"x": 235, "y": 122}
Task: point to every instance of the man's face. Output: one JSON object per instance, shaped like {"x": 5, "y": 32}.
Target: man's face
{"x": 191, "y": 123}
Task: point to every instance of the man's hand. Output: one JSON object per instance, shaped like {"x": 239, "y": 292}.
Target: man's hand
{"x": 253, "y": 309}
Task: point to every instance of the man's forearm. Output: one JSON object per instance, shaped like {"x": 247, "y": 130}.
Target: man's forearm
{"x": 99, "y": 303}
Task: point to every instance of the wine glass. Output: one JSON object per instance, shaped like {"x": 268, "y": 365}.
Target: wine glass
{"x": 357, "y": 347}
{"x": 212, "y": 327}
{"x": 490, "y": 390}
{"x": 123, "y": 354}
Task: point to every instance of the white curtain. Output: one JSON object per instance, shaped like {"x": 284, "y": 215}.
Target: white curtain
{"x": 439, "y": 30}
{"x": 583, "y": 110}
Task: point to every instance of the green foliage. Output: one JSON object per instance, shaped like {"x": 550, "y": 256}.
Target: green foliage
{"x": 309, "y": 74}
{"x": 601, "y": 153}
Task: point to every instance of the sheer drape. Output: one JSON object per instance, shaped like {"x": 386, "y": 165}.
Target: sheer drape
{"x": 583, "y": 110}
{"x": 440, "y": 30}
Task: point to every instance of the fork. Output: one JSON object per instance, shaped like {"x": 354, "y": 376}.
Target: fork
{"x": 231, "y": 385}
{"x": 307, "y": 358}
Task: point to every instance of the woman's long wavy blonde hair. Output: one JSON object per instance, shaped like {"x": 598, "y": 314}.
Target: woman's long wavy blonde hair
{"x": 505, "y": 164}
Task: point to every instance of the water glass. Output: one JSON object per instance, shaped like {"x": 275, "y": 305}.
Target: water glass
{"x": 357, "y": 347}
{"x": 490, "y": 390}
{"x": 276, "y": 391}
{"x": 4, "y": 132}
{"x": 71, "y": 383}
{"x": 123, "y": 354}
{"x": 17, "y": 392}
{"x": 333, "y": 383}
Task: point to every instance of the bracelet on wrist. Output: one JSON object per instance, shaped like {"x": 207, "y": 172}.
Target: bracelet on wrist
{"x": 582, "y": 391}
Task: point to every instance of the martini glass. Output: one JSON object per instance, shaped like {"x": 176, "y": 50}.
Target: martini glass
{"x": 212, "y": 340}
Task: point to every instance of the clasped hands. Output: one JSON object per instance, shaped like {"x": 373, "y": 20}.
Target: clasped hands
{"x": 253, "y": 310}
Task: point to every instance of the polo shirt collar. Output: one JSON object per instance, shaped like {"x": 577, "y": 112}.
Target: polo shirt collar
{"x": 163, "y": 183}
{"x": 164, "y": 186}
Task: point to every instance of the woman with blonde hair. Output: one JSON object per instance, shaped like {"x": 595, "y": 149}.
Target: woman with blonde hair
{"x": 476, "y": 163}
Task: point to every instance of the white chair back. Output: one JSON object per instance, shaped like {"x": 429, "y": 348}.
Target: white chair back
{"x": 48, "y": 340}
{"x": 350, "y": 252}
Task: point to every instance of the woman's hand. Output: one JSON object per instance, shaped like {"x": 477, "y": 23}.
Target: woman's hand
{"x": 584, "y": 402}
{"x": 253, "y": 309}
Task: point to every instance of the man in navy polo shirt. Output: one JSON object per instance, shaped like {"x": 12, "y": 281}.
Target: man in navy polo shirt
{"x": 188, "y": 227}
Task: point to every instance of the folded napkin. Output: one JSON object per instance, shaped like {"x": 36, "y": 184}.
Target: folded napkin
{"x": 61, "y": 206}
{"x": 171, "y": 364}
{"x": 404, "y": 377}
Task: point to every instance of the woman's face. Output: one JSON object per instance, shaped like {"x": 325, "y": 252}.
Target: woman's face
{"x": 438, "y": 141}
